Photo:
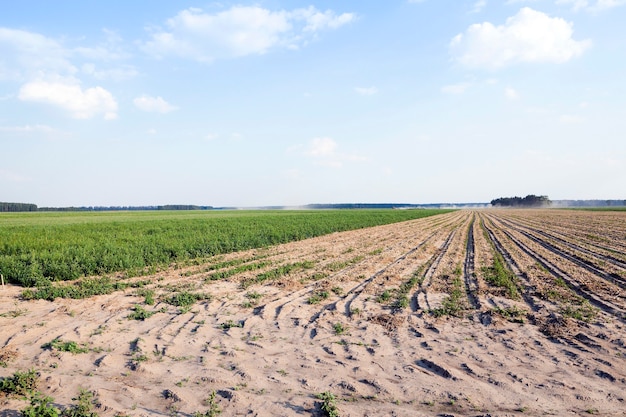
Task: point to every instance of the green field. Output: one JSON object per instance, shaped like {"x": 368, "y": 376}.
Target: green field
{"x": 36, "y": 248}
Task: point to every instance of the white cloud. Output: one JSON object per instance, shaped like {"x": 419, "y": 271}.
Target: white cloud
{"x": 366, "y": 91}
{"x": 455, "y": 88}
{"x": 82, "y": 104}
{"x": 239, "y": 31}
{"x": 153, "y": 104}
{"x": 529, "y": 36}
{"x": 511, "y": 93}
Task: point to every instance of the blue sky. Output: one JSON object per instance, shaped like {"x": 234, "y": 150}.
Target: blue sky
{"x": 289, "y": 102}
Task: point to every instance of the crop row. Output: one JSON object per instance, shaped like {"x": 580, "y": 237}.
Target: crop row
{"x": 36, "y": 248}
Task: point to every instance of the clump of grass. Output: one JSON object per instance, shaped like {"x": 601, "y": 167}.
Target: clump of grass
{"x": 318, "y": 296}
{"x": 580, "y": 309}
{"x": 329, "y": 403}
{"x": 62, "y": 346}
{"x": 512, "y": 314}
{"x": 452, "y": 305}
{"x": 500, "y": 276}
{"x": 384, "y": 297}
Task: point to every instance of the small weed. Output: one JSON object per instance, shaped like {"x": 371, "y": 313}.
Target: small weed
{"x": 83, "y": 408}
{"x": 329, "y": 403}
{"x": 282, "y": 372}
{"x": 214, "y": 409}
{"x": 339, "y": 328}
{"x": 230, "y": 324}
{"x": 384, "y": 297}
{"x": 337, "y": 290}
{"x": 16, "y": 312}
{"x": 318, "y": 296}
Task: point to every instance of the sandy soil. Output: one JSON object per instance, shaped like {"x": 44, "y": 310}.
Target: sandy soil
{"x": 334, "y": 324}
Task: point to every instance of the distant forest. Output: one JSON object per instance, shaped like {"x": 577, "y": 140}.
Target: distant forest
{"x": 14, "y": 207}
{"x": 528, "y": 201}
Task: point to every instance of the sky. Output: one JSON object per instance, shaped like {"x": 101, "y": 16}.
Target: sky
{"x": 286, "y": 102}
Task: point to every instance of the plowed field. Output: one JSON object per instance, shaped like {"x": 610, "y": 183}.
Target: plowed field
{"x": 470, "y": 313}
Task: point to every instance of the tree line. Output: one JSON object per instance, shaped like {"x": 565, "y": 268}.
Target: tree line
{"x": 528, "y": 201}
{"x": 15, "y": 207}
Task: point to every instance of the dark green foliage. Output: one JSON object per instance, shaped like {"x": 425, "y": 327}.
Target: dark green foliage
{"x": 21, "y": 383}
{"x": 14, "y": 207}
{"x": 38, "y": 247}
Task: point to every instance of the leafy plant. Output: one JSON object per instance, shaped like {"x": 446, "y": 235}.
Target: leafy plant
{"x": 83, "y": 407}
{"x": 62, "y": 346}
{"x": 140, "y": 313}
{"x": 21, "y": 383}
{"x": 40, "y": 406}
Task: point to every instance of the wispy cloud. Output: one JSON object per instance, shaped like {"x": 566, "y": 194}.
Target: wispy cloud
{"x": 324, "y": 151}
{"x": 511, "y": 93}
{"x": 366, "y": 91}
{"x": 239, "y": 31}
{"x": 153, "y": 104}
{"x": 528, "y": 37}
{"x": 592, "y": 6}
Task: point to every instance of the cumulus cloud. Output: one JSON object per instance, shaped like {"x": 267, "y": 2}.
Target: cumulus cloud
{"x": 366, "y": 91}
{"x": 528, "y": 37}
{"x": 153, "y": 104}
{"x": 239, "y": 31}
{"x": 81, "y": 103}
